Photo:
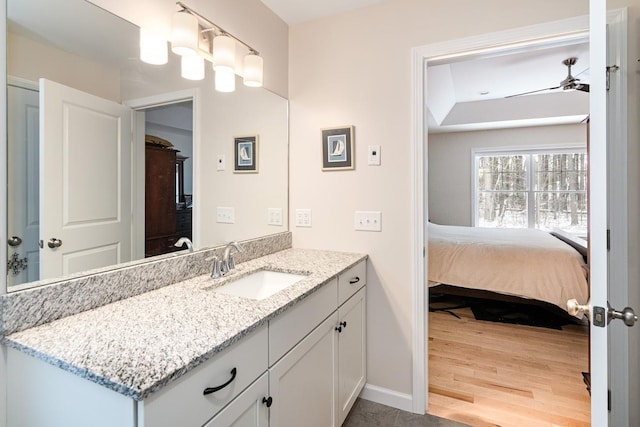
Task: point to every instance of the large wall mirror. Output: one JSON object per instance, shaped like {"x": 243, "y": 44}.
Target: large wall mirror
{"x": 93, "y": 132}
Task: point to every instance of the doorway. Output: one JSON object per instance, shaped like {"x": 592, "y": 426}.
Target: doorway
{"x": 485, "y": 363}
{"x": 421, "y": 57}
{"x": 168, "y": 177}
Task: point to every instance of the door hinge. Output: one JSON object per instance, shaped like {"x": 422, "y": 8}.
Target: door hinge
{"x": 424, "y": 252}
{"x": 608, "y": 239}
{"x": 609, "y": 400}
{"x": 610, "y": 68}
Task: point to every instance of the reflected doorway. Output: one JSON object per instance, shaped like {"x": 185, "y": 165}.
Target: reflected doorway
{"x": 168, "y": 176}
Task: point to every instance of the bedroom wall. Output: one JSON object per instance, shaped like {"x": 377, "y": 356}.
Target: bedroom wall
{"x": 355, "y": 68}
{"x": 450, "y": 164}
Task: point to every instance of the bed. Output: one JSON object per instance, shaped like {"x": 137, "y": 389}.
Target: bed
{"x": 527, "y": 263}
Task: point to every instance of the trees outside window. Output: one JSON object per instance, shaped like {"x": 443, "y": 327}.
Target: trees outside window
{"x": 536, "y": 189}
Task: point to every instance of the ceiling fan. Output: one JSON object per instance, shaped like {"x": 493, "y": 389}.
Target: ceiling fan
{"x": 569, "y": 83}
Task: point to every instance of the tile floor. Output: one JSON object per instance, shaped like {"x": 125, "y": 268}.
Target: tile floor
{"x": 369, "y": 414}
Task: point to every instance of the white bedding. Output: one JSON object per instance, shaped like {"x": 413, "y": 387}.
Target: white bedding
{"x": 527, "y": 263}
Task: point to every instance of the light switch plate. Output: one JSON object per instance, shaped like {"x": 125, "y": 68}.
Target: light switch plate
{"x": 221, "y": 163}
{"x": 373, "y": 155}
{"x": 225, "y": 215}
{"x": 367, "y": 220}
{"x": 274, "y": 216}
{"x": 303, "y": 217}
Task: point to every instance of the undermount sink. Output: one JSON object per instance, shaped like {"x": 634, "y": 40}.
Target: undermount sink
{"x": 260, "y": 285}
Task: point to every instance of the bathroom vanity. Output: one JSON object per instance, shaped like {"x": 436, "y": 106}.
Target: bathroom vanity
{"x": 190, "y": 354}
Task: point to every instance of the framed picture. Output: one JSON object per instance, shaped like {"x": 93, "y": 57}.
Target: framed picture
{"x": 245, "y": 154}
{"x": 337, "y": 148}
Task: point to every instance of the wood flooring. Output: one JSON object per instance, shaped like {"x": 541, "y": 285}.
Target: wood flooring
{"x": 494, "y": 374}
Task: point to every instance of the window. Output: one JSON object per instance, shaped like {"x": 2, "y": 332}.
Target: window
{"x": 535, "y": 188}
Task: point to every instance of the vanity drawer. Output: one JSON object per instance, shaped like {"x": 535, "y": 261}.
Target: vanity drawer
{"x": 288, "y": 329}
{"x": 351, "y": 281}
{"x": 182, "y": 402}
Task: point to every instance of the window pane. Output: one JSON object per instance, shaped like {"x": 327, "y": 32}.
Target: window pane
{"x": 502, "y": 209}
{"x": 560, "y": 172}
{"x": 564, "y": 210}
{"x": 502, "y": 173}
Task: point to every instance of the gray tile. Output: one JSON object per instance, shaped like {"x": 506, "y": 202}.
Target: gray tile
{"x": 366, "y": 413}
{"x": 407, "y": 419}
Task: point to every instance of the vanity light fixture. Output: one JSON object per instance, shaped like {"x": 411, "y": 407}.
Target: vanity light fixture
{"x": 196, "y": 39}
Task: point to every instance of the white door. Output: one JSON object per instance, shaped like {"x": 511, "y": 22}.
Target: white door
{"x": 22, "y": 192}
{"x": 598, "y": 210}
{"x": 85, "y": 181}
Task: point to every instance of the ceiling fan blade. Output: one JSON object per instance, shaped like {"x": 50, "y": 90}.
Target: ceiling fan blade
{"x": 584, "y": 87}
{"x": 533, "y": 91}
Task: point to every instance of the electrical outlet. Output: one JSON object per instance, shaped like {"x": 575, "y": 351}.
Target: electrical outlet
{"x": 274, "y": 216}
{"x": 303, "y": 217}
{"x": 367, "y": 220}
{"x": 225, "y": 215}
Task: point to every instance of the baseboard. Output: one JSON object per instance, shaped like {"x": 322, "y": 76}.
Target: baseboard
{"x": 387, "y": 397}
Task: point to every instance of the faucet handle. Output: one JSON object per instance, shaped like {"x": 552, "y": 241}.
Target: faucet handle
{"x": 215, "y": 269}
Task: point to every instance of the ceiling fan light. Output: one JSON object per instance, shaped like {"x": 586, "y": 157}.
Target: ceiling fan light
{"x": 192, "y": 67}
{"x": 225, "y": 80}
{"x": 224, "y": 52}
{"x": 153, "y": 48}
{"x": 253, "y": 73}
{"x": 184, "y": 34}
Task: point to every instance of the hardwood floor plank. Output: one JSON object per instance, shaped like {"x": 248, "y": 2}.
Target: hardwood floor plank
{"x": 494, "y": 374}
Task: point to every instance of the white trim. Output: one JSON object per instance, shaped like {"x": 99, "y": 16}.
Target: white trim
{"x": 420, "y": 361}
{"x": 192, "y": 95}
{"x": 556, "y": 31}
{"x": 3, "y": 201}
{"x": 387, "y": 397}
{"x": 23, "y": 83}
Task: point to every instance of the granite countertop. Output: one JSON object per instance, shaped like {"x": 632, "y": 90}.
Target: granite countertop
{"x": 140, "y": 344}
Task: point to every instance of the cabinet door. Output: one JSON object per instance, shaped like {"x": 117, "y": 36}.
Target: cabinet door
{"x": 352, "y": 364}
{"x": 302, "y": 383}
{"x": 246, "y": 410}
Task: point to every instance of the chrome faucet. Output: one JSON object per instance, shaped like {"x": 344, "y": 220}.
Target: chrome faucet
{"x": 183, "y": 241}
{"x": 228, "y": 263}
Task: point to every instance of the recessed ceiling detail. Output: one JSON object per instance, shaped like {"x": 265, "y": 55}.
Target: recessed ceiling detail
{"x": 475, "y": 93}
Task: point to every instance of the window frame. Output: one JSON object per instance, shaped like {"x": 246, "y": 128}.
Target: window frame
{"x": 565, "y": 148}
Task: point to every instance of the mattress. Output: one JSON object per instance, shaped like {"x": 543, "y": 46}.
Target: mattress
{"x": 526, "y": 263}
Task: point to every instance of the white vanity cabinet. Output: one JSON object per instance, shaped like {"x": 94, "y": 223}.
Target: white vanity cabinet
{"x": 319, "y": 379}
{"x": 249, "y": 409}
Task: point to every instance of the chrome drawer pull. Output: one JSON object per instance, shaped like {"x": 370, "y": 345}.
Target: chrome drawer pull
{"x": 210, "y": 390}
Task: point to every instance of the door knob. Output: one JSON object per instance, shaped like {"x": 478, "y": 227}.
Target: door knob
{"x": 627, "y": 315}
{"x": 14, "y": 241}
{"x": 579, "y": 310}
{"x": 54, "y": 243}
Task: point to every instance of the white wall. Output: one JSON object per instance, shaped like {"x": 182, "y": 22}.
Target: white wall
{"x": 356, "y": 69}
{"x": 450, "y": 164}
{"x": 31, "y": 60}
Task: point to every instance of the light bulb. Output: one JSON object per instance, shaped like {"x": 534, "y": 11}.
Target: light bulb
{"x": 184, "y": 34}
{"x": 192, "y": 67}
{"x": 224, "y": 52}
{"x": 252, "y": 70}
{"x": 225, "y": 80}
{"x": 153, "y": 47}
